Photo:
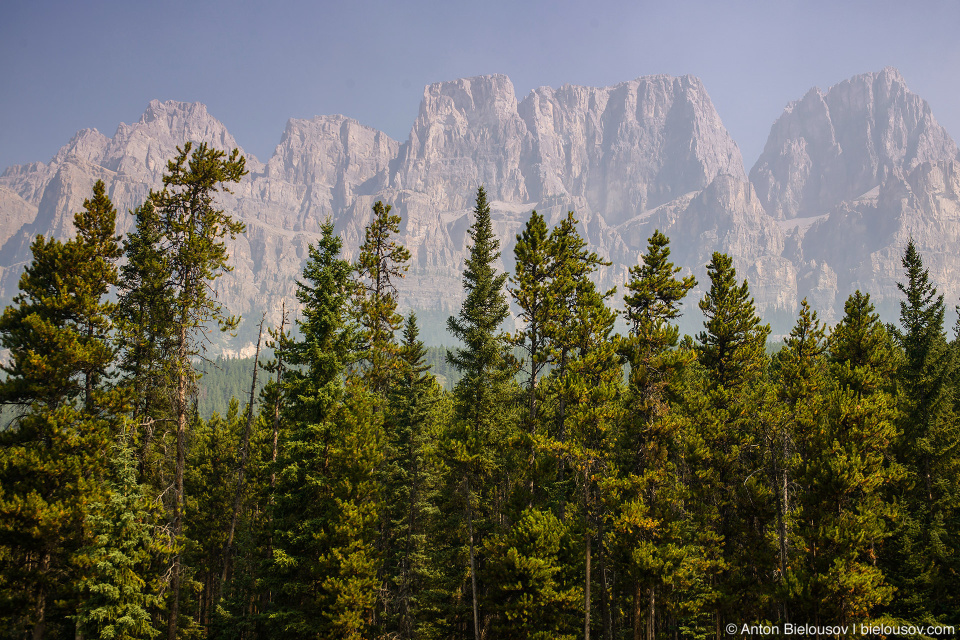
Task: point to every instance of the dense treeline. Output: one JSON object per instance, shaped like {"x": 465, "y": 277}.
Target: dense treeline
{"x": 569, "y": 482}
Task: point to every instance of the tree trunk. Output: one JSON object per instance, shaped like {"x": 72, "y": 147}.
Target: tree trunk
{"x": 651, "y": 616}
{"x": 241, "y": 469}
{"x": 40, "y": 611}
{"x": 586, "y": 595}
{"x": 473, "y": 565}
{"x": 586, "y": 588}
{"x": 178, "y": 482}
{"x": 605, "y": 608}
{"x": 637, "y": 611}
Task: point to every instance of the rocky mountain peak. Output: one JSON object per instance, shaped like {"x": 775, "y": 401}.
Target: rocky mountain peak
{"x": 628, "y": 148}
{"x": 468, "y": 133}
{"x": 847, "y": 176}
{"x": 834, "y": 146}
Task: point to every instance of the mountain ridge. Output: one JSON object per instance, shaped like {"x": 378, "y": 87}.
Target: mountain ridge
{"x": 642, "y": 154}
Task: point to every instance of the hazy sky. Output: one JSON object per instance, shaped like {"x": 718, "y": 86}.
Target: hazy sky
{"x": 71, "y": 65}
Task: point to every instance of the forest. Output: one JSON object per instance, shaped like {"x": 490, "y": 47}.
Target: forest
{"x": 568, "y": 481}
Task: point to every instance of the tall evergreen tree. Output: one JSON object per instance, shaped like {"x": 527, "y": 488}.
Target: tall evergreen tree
{"x": 405, "y": 501}
{"x": 51, "y": 456}
{"x": 482, "y": 392}
{"x": 845, "y": 473}
{"x": 927, "y": 543}
{"x": 581, "y": 392}
{"x": 325, "y": 513}
{"x": 382, "y": 260}
{"x": 727, "y": 415}
{"x": 145, "y": 322}
{"x": 646, "y": 490}
{"x": 192, "y": 232}
{"x": 801, "y": 382}
{"x": 530, "y": 293}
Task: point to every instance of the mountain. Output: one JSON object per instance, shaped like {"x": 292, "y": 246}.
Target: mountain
{"x": 852, "y": 174}
{"x": 844, "y": 176}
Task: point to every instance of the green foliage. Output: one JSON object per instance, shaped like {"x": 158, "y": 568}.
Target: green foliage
{"x": 57, "y": 329}
{"x": 651, "y": 538}
{"x": 530, "y": 293}
{"x": 711, "y": 484}
{"x": 482, "y": 395}
{"x": 51, "y": 460}
{"x": 732, "y": 345}
{"x": 192, "y": 232}
{"x": 324, "y": 565}
{"x": 924, "y": 553}
{"x": 531, "y": 573}
{"x": 845, "y": 471}
{"x": 381, "y": 260}
{"x": 409, "y": 414}
{"x": 729, "y": 409}
{"x": 116, "y": 595}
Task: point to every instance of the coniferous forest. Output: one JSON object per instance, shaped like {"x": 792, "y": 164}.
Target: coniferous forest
{"x": 574, "y": 482}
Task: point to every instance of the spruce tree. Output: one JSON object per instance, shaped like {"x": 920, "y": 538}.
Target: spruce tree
{"x": 382, "y": 260}
{"x": 325, "y": 513}
{"x": 59, "y": 325}
{"x": 482, "y": 393}
{"x": 145, "y": 323}
{"x": 926, "y": 546}
{"x": 405, "y": 501}
{"x": 732, "y": 345}
{"x": 533, "y": 577}
{"x": 117, "y": 592}
{"x": 729, "y": 418}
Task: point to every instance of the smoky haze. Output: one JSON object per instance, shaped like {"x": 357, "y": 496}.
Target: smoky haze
{"x": 69, "y": 67}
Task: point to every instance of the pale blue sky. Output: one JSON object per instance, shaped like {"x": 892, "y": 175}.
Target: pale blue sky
{"x": 70, "y": 65}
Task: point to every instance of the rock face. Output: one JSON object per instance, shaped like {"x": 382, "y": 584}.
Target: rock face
{"x": 831, "y": 147}
{"x": 846, "y": 177}
{"x": 854, "y": 173}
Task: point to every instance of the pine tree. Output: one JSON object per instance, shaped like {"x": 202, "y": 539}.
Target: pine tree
{"x": 729, "y": 416}
{"x": 581, "y": 390}
{"x": 533, "y": 575}
{"x": 482, "y": 393}
{"x": 534, "y": 271}
{"x": 381, "y": 261}
{"x": 592, "y": 386}
{"x": 732, "y": 346}
{"x": 409, "y": 412}
{"x": 192, "y": 232}
{"x": 533, "y": 274}
{"x": 845, "y": 473}
{"x": 801, "y": 382}
{"x": 646, "y": 491}
{"x": 926, "y": 545}
{"x": 51, "y": 457}
{"x": 325, "y": 514}
{"x": 117, "y": 594}
{"x": 58, "y": 327}
{"x": 210, "y": 484}
{"x": 145, "y": 322}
